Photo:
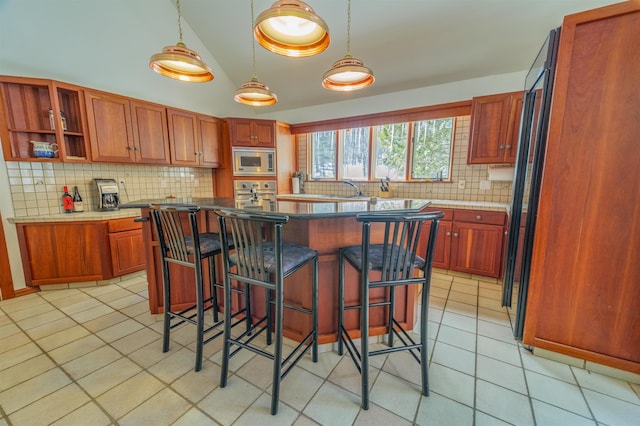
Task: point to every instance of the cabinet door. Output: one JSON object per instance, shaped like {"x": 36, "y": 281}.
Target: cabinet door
{"x": 477, "y": 248}
{"x": 151, "y": 134}
{"x": 183, "y": 138}
{"x": 255, "y": 133}
{"x": 64, "y": 252}
{"x": 513, "y": 131}
{"x": 443, "y": 245}
{"x": 210, "y": 139}
{"x": 127, "y": 252}
{"x": 110, "y": 130}
{"x": 495, "y": 124}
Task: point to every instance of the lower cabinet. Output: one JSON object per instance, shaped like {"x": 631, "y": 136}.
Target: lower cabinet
{"x": 127, "y": 246}
{"x": 65, "y": 252}
{"x": 470, "y": 241}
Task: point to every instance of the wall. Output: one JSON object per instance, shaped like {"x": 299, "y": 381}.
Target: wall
{"x": 500, "y": 192}
{"x": 36, "y": 188}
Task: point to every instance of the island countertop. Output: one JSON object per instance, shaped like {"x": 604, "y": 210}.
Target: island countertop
{"x": 295, "y": 209}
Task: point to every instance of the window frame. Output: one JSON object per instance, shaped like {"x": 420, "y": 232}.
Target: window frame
{"x": 373, "y": 131}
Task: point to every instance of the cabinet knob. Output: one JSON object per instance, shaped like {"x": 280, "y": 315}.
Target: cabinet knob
{"x": 501, "y": 146}
{"x": 448, "y": 234}
{"x": 254, "y": 137}
{"x": 455, "y": 234}
{"x": 478, "y": 217}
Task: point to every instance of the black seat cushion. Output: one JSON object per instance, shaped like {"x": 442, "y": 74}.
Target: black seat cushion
{"x": 293, "y": 255}
{"x": 209, "y": 243}
{"x": 354, "y": 254}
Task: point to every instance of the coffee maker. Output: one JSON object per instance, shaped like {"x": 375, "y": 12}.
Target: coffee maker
{"x": 108, "y": 194}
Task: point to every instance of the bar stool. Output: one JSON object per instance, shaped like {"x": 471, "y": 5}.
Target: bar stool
{"x": 396, "y": 259}
{"x": 262, "y": 259}
{"x": 182, "y": 244}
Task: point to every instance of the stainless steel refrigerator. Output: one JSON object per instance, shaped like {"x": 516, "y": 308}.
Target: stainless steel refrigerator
{"x": 526, "y": 185}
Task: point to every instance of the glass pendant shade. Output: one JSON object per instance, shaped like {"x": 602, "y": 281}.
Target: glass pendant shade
{"x": 347, "y": 74}
{"x": 254, "y": 93}
{"x": 291, "y": 28}
{"x": 181, "y": 63}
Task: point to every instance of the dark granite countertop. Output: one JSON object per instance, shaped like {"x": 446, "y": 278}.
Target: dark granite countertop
{"x": 295, "y": 209}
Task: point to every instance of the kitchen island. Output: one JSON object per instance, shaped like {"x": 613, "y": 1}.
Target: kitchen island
{"x": 324, "y": 227}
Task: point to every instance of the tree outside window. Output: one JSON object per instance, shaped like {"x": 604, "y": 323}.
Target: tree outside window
{"x": 431, "y": 157}
{"x": 391, "y": 151}
{"x": 401, "y": 151}
{"x": 355, "y": 153}
{"x": 323, "y": 155}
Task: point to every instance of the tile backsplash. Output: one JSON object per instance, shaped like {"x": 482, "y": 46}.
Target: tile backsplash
{"x": 37, "y": 187}
{"x": 472, "y": 175}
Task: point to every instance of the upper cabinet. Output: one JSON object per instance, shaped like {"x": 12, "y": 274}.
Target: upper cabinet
{"x": 42, "y": 120}
{"x": 126, "y": 131}
{"x": 194, "y": 138}
{"x": 495, "y": 124}
{"x": 253, "y": 133}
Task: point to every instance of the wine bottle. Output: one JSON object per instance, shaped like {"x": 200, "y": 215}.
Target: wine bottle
{"x": 77, "y": 200}
{"x": 67, "y": 200}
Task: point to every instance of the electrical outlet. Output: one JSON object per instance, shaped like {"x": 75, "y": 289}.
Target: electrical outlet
{"x": 462, "y": 183}
{"x": 122, "y": 184}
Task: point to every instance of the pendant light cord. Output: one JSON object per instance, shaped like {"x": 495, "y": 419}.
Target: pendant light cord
{"x": 253, "y": 45}
{"x": 179, "y": 21}
{"x": 348, "y": 27}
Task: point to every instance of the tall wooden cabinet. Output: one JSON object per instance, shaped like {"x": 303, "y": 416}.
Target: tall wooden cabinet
{"x": 584, "y": 292}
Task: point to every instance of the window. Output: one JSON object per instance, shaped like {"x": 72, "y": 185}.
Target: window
{"x": 391, "y": 151}
{"x": 323, "y": 155}
{"x": 355, "y": 154}
{"x": 401, "y": 151}
{"x": 431, "y": 156}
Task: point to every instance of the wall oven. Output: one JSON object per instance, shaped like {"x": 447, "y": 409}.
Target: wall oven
{"x": 255, "y": 195}
{"x": 254, "y": 162}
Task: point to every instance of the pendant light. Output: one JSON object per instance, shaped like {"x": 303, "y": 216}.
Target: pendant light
{"x": 253, "y": 92}
{"x": 348, "y": 73}
{"x": 180, "y": 63}
{"x": 291, "y": 28}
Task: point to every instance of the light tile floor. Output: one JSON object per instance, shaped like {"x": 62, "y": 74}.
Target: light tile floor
{"x": 92, "y": 356}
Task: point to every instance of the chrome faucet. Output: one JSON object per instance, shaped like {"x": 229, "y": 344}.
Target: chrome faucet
{"x": 358, "y": 192}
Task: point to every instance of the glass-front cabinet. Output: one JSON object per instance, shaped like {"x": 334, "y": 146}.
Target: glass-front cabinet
{"x": 42, "y": 120}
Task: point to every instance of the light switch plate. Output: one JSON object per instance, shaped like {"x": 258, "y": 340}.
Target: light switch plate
{"x": 462, "y": 184}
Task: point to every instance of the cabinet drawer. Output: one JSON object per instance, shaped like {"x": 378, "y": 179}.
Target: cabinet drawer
{"x": 448, "y": 213}
{"x": 124, "y": 224}
{"x": 480, "y": 216}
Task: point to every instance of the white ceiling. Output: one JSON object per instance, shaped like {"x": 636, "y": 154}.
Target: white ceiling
{"x": 422, "y": 52}
{"x": 407, "y": 43}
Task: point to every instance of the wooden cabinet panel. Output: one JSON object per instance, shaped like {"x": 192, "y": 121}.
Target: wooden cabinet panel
{"x": 495, "y": 121}
{"x": 127, "y": 252}
{"x": 150, "y": 133}
{"x": 255, "y": 133}
{"x": 183, "y": 136}
{"x": 42, "y": 111}
{"x": 210, "y": 139}
{"x": 110, "y": 129}
{"x": 583, "y": 289}
{"x": 477, "y": 248}
{"x": 64, "y": 252}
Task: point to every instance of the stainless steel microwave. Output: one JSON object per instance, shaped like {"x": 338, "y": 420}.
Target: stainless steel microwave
{"x": 254, "y": 162}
